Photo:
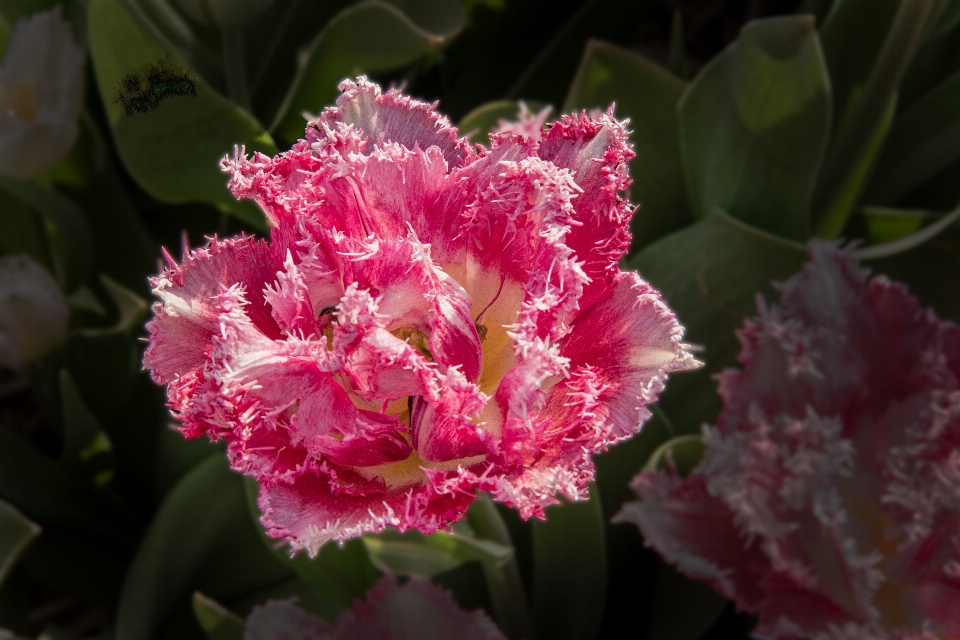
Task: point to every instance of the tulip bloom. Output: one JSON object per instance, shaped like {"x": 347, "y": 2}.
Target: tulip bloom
{"x": 41, "y": 87}
{"x": 827, "y": 501}
{"x": 427, "y": 321}
{"x": 33, "y": 312}
{"x": 416, "y": 609}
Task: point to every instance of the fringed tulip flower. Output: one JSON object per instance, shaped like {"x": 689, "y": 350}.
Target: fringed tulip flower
{"x": 41, "y": 86}
{"x": 827, "y": 501}
{"x": 416, "y": 609}
{"x": 33, "y": 312}
{"x": 528, "y": 124}
{"x": 427, "y": 321}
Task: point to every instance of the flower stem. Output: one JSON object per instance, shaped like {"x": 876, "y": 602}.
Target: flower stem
{"x": 504, "y": 583}
{"x": 234, "y": 67}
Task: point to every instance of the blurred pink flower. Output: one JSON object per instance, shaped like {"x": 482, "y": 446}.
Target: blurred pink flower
{"x": 528, "y": 124}
{"x": 427, "y": 321}
{"x": 416, "y": 609}
{"x": 827, "y": 501}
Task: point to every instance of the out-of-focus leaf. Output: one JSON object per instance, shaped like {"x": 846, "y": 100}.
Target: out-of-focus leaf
{"x": 16, "y": 532}
{"x": 21, "y": 230}
{"x": 648, "y": 95}
{"x": 906, "y": 243}
{"x": 199, "y": 539}
{"x": 216, "y": 620}
{"x": 682, "y": 609}
{"x": 413, "y": 553}
{"x": 570, "y": 576}
{"x": 85, "y": 446}
{"x": 481, "y": 121}
{"x": 857, "y": 141}
{"x": 71, "y": 246}
{"x": 886, "y": 225}
{"x": 948, "y": 18}
{"x": 678, "y": 57}
{"x": 130, "y": 309}
{"x": 343, "y": 50}
{"x": 852, "y": 36}
{"x": 922, "y": 142}
{"x": 710, "y": 274}
{"x": 339, "y": 573}
{"x": 754, "y": 126}
{"x": 173, "y": 151}
{"x": 685, "y": 453}
{"x": 307, "y": 598}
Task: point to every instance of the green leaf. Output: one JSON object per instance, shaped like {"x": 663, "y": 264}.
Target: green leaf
{"x": 343, "y": 50}
{"x": 339, "y": 573}
{"x": 199, "y": 539}
{"x": 413, "y": 553}
{"x": 923, "y": 141}
{"x": 857, "y": 141}
{"x": 216, "y": 620}
{"x": 947, "y": 19}
{"x": 648, "y": 95}
{"x": 886, "y": 225}
{"x": 754, "y": 126}
{"x": 710, "y": 274}
{"x": 481, "y": 121}
{"x": 130, "y": 307}
{"x": 16, "y": 532}
{"x": 852, "y": 37}
{"x": 174, "y": 150}
{"x": 911, "y": 241}
{"x": 68, "y": 236}
{"x": 569, "y": 564}
{"x": 685, "y": 453}
{"x": 678, "y": 58}
{"x": 85, "y": 445}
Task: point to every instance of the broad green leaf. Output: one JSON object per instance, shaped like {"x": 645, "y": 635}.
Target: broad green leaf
{"x": 199, "y": 539}
{"x": 648, "y": 96}
{"x": 569, "y": 564}
{"x": 684, "y": 452}
{"x": 710, "y": 274}
{"x": 174, "y": 150}
{"x": 754, "y": 126}
{"x": 911, "y": 241}
{"x": 922, "y": 142}
{"x": 218, "y": 622}
{"x": 68, "y": 236}
{"x": 481, "y": 121}
{"x": 681, "y": 608}
{"x": 16, "y": 532}
{"x": 86, "y": 447}
{"x": 852, "y": 37}
{"x": 678, "y": 57}
{"x": 857, "y": 140}
{"x": 339, "y": 573}
{"x": 413, "y": 553}
{"x": 343, "y": 50}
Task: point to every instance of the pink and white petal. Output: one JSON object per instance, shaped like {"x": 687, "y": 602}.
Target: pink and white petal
{"x": 934, "y": 598}
{"x": 632, "y": 341}
{"x": 284, "y": 620}
{"x": 394, "y": 117}
{"x": 443, "y": 427}
{"x": 181, "y": 333}
{"x": 309, "y": 513}
{"x": 596, "y": 151}
{"x": 416, "y": 609}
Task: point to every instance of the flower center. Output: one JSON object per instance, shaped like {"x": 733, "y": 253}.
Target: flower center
{"x": 21, "y": 102}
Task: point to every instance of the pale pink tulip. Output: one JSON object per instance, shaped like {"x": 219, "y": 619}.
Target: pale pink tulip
{"x": 827, "y": 501}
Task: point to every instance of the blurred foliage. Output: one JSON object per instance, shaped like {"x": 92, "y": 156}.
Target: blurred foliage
{"x": 758, "y": 124}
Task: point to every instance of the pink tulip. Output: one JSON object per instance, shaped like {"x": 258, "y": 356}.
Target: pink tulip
{"x": 427, "y": 321}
